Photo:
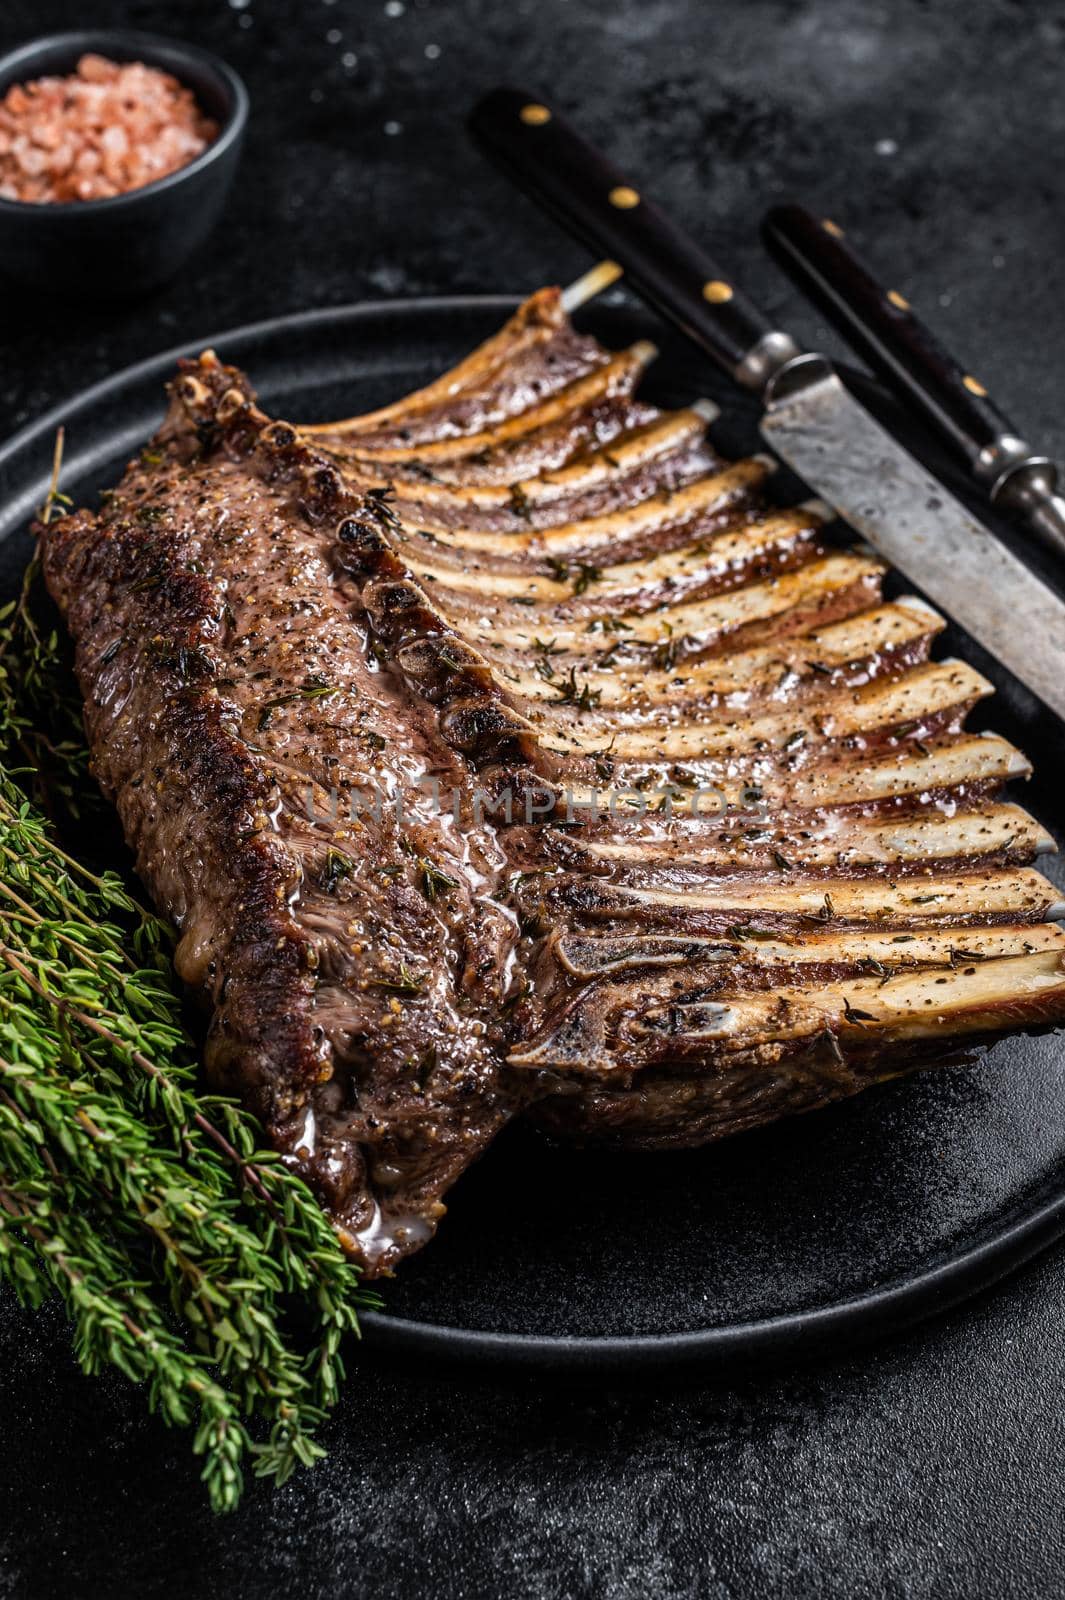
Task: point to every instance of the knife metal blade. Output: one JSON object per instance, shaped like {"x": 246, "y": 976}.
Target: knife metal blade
{"x": 883, "y": 325}
{"x": 811, "y": 420}
{"x": 909, "y": 518}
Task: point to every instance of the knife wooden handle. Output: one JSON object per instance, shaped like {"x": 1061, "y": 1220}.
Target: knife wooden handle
{"x": 882, "y": 323}
{"x": 552, "y": 162}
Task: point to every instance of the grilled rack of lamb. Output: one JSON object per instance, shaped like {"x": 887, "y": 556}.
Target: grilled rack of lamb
{"x": 683, "y": 830}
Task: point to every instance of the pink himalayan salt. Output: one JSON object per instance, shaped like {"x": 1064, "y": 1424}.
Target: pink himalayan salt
{"x": 104, "y": 130}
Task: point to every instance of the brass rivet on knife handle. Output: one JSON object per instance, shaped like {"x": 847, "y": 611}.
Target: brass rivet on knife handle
{"x": 600, "y": 204}
{"x": 717, "y": 292}
{"x": 881, "y": 323}
{"x": 534, "y": 116}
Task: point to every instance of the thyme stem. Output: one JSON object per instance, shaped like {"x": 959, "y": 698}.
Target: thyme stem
{"x": 177, "y": 1241}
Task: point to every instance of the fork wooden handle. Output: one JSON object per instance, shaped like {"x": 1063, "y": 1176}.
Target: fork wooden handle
{"x": 547, "y": 157}
{"x": 881, "y": 323}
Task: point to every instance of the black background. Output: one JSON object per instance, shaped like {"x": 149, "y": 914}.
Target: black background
{"x": 932, "y": 1467}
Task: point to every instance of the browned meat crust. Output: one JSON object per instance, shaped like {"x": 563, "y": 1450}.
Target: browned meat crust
{"x": 532, "y": 590}
{"x": 355, "y": 965}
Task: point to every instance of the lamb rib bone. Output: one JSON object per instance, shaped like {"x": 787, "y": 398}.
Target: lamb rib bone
{"x": 753, "y": 859}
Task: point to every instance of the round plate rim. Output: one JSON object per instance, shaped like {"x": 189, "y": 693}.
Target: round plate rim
{"x": 164, "y": 360}
{"x": 852, "y": 1321}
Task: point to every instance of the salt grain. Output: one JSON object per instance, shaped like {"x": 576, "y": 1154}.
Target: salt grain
{"x": 102, "y": 131}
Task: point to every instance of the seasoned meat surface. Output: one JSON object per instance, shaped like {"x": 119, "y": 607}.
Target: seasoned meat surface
{"x": 503, "y": 749}
{"x": 354, "y": 956}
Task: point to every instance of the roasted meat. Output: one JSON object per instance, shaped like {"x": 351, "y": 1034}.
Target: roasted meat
{"x": 353, "y": 959}
{"x": 502, "y": 750}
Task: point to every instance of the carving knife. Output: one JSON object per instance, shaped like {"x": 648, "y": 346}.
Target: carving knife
{"x": 811, "y": 420}
{"x": 883, "y": 325}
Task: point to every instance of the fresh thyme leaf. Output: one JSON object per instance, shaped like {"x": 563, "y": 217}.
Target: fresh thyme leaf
{"x": 402, "y": 982}
{"x": 519, "y": 502}
{"x": 544, "y": 649}
{"x": 580, "y": 573}
{"x": 824, "y": 913}
{"x": 958, "y": 955}
{"x": 667, "y": 652}
{"x": 337, "y": 867}
{"x": 571, "y": 694}
{"x": 608, "y": 625}
{"x": 832, "y": 1044}
{"x": 176, "y": 1241}
{"x": 435, "y": 883}
{"x": 310, "y": 689}
{"x": 41, "y": 725}
{"x": 53, "y": 497}
{"x": 381, "y": 502}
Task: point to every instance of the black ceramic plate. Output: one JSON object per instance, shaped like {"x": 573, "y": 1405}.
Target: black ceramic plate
{"x": 819, "y": 1231}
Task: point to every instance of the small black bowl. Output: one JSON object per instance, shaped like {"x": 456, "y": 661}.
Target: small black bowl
{"x": 112, "y": 249}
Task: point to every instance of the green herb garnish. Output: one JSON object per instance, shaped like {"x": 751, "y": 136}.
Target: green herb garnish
{"x": 177, "y": 1242}
{"x": 434, "y": 882}
{"x": 402, "y": 982}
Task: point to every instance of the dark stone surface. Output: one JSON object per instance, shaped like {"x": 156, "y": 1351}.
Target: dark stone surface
{"x": 930, "y": 1468}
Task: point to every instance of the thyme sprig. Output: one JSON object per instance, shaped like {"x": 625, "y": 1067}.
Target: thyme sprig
{"x": 40, "y": 710}
{"x": 179, "y": 1244}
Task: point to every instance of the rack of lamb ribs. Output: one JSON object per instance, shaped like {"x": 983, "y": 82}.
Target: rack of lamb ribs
{"x": 503, "y": 752}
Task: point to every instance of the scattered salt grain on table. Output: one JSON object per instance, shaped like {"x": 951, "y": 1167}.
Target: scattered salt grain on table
{"x": 104, "y": 130}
